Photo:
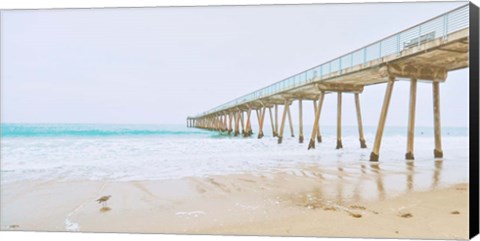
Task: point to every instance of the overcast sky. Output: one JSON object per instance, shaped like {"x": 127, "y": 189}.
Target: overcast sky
{"x": 160, "y": 65}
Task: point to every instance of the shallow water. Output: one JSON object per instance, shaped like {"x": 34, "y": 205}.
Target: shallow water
{"x": 155, "y": 152}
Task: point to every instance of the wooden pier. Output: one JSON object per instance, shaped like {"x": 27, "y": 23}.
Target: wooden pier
{"x": 422, "y": 54}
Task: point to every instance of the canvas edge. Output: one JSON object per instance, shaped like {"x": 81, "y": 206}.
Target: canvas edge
{"x": 474, "y": 121}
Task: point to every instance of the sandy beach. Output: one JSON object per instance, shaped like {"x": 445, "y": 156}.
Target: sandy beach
{"x": 309, "y": 203}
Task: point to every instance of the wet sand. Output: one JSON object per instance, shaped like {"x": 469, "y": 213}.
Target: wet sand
{"x": 330, "y": 202}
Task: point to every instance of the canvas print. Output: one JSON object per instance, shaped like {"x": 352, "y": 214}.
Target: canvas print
{"x": 326, "y": 120}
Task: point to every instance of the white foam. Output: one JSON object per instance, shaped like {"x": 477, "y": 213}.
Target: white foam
{"x": 71, "y": 226}
{"x": 151, "y": 158}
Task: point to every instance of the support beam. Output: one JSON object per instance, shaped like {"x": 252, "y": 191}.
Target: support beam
{"x": 319, "y": 136}
{"x": 284, "y": 116}
{"x": 225, "y": 122}
{"x": 300, "y": 121}
{"x": 290, "y": 122}
{"x": 276, "y": 121}
{"x": 260, "y": 122}
{"x": 271, "y": 122}
{"x": 315, "y": 123}
{"x": 359, "y": 120}
{"x": 438, "y": 152}
{"x": 383, "y": 116}
{"x": 248, "y": 126}
{"x": 242, "y": 122}
{"x": 237, "y": 123}
{"x": 411, "y": 119}
{"x": 259, "y": 114}
{"x": 230, "y": 120}
{"x": 339, "y": 121}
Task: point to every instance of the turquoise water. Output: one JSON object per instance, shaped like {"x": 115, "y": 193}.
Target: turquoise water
{"x": 119, "y": 130}
{"x": 94, "y": 130}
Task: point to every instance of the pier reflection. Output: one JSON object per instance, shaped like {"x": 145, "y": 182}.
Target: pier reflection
{"x": 369, "y": 181}
{"x": 375, "y": 167}
{"x": 341, "y": 182}
{"x": 410, "y": 175}
{"x": 437, "y": 173}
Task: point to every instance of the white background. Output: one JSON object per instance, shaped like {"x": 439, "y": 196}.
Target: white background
{"x": 32, "y": 4}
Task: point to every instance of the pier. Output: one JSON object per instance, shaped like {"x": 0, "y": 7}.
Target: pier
{"x": 422, "y": 54}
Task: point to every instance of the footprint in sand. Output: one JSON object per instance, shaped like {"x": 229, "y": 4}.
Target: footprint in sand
{"x": 406, "y": 215}
{"x": 330, "y": 209}
{"x": 201, "y": 190}
{"x": 358, "y": 207}
{"x": 219, "y": 185}
{"x": 356, "y": 215}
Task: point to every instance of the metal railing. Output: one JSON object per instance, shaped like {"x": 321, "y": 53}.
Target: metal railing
{"x": 438, "y": 27}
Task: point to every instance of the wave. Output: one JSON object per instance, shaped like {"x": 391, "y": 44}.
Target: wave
{"x": 90, "y": 130}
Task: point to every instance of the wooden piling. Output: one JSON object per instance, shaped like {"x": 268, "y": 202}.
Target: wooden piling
{"x": 284, "y": 116}
{"x": 237, "y": 123}
{"x": 290, "y": 122}
{"x": 230, "y": 120}
{"x": 438, "y": 152}
{"x": 274, "y": 134}
{"x": 248, "y": 127}
{"x": 300, "y": 121}
{"x": 260, "y": 122}
{"x": 315, "y": 123}
{"x": 381, "y": 123}
{"x": 242, "y": 122}
{"x": 411, "y": 120}
{"x": 225, "y": 126}
{"x": 276, "y": 120}
{"x": 359, "y": 120}
{"x": 339, "y": 121}
{"x": 317, "y": 133}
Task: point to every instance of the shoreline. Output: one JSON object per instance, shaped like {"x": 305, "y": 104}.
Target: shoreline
{"x": 271, "y": 204}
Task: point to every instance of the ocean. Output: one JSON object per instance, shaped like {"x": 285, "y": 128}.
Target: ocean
{"x": 154, "y": 152}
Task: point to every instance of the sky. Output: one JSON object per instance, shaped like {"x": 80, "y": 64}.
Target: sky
{"x": 160, "y": 65}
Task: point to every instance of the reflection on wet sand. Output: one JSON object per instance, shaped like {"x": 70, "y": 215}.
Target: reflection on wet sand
{"x": 340, "y": 182}
{"x": 410, "y": 174}
{"x": 359, "y": 183}
{"x": 379, "y": 177}
{"x": 437, "y": 173}
{"x": 364, "y": 181}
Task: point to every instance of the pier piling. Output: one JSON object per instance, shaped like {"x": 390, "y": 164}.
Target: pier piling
{"x": 300, "y": 121}
{"x": 339, "y": 121}
{"x": 359, "y": 120}
{"x": 411, "y": 120}
{"x": 290, "y": 122}
{"x": 438, "y": 152}
{"x": 317, "y": 132}
{"x": 271, "y": 121}
{"x": 242, "y": 122}
{"x": 315, "y": 123}
{"x": 383, "y": 116}
{"x": 284, "y": 116}
{"x": 230, "y": 120}
{"x": 276, "y": 121}
{"x": 237, "y": 124}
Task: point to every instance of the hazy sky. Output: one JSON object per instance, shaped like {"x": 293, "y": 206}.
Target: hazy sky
{"x": 159, "y": 65}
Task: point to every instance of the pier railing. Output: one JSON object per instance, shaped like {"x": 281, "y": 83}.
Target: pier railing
{"x": 438, "y": 27}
